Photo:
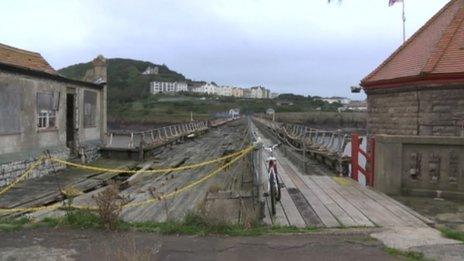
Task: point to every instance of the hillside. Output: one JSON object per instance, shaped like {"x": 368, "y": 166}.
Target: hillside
{"x": 129, "y": 100}
{"x": 126, "y": 82}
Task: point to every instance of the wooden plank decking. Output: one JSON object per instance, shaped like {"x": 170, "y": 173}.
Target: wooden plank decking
{"x": 331, "y": 201}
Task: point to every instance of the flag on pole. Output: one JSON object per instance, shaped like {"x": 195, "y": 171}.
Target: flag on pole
{"x": 392, "y": 2}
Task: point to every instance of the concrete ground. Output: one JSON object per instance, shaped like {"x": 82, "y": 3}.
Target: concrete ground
{"x": 62, "y": 244}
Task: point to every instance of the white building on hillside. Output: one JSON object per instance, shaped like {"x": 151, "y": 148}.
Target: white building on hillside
{"x": 259, "y": 92}
{"x": 224, "y": 91}
{"x": 341, "y": 100}
{"x": 207, "y": 88}
{"x": 170, "y": 87}
{"x": 151, "y": 70}
{"x": 237, "y": 92}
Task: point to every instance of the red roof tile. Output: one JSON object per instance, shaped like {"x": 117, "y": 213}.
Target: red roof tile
{"x": 435, "y": 51}
{"x": 25, "y": 59}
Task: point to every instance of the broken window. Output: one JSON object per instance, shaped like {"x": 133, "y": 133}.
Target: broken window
{"x": 10, "y": 101}
{"x": 90, "y": 109}
{"x": 47, "y": 106}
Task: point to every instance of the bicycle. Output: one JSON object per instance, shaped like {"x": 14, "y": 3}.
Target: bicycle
{"x": 274, "y": 184}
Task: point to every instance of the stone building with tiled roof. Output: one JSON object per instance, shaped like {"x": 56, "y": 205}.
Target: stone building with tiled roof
{"x": 419, "y": 89}
{"x": 416, "y": 111}
{"x": 44, "y": 111}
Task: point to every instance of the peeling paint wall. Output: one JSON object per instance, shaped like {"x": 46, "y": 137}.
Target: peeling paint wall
{"x": 29, "y": 136}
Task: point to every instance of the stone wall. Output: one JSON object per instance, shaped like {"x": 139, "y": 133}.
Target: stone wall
{"x": 13, "y": 167}
{"x": 419, "y": 165}
{"x": 428, "y": 110}
{"x": 90, "y": 151}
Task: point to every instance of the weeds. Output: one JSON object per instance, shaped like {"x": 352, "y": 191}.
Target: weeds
{"x": 7, "y": 225}
{"x": 193, "y": 224}
{"x": 110, "y": 205}
{"x": 453, "y": 234}
{"x": 81, "y": 219}
{"x": 409, "y": 255}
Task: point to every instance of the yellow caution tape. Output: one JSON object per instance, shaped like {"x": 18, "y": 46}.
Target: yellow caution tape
{"x": 189, "y": 186}
{"x": 193, "y": 166}
{"x": 71, "y": 192}
{"x": 134, "y": 204}
{"x": 23, "y": 176}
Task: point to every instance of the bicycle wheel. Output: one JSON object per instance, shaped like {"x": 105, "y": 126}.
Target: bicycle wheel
{"x": 273, "y": 195}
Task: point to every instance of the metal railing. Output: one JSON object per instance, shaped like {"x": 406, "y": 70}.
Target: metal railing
{"x": 299, "y": 136}
{"x": 131, "y": 139}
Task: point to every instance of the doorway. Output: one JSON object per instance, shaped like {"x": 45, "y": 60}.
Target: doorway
{"x": 70, "y": 129}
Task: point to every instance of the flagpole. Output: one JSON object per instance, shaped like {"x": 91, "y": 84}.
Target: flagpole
{"x": 404, "y": 24}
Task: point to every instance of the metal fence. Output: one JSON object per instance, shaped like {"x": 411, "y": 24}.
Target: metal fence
{"x": 129, "y": 139}
{"x": 302, "y": 137}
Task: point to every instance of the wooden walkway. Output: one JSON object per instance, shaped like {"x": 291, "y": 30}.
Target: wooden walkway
{"x": 330, "y": 201}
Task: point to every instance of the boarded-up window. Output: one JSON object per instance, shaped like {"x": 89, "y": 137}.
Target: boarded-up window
{"x": 47, "y": 106}
{"x": 10, "y": 108}
{"x": 90, "y": 109}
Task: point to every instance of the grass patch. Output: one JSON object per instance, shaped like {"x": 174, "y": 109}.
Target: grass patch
{"x": 453, "y": 234}
{"x": 191, "y": 225}
{"x": 408, "y": 255}
{"x": 7, "y": 225}
{"x": 82, "y": 219}
{"x": 196, "y": 225}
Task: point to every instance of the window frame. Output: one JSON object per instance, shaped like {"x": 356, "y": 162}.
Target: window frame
{"x": 47, "y": 118}
{"x": 92, "y": 111}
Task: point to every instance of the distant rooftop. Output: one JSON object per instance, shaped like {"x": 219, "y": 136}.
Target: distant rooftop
{"x": 25, "y": 59}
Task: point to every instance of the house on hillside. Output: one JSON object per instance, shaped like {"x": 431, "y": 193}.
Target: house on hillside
{"x": 237, "y": 92}
{"x": 168, "y": 87}
{"x": 43, "y": 111}
{"x": 247, "y": 93}
{"x": 207, "y": 88}
{"x": 341, "y": 100}
{"x": 415, "y": 102}
{"x": 259, "y": 92}
{"x": 224, "y": 90}
{"x": 360, "y": 106}
{"x": 151, "y": 70}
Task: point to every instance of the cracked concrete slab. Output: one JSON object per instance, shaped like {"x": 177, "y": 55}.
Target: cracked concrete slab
{"x": 406, "y": 237}
{"x": 453, "y": 252}
{"x": 427, "y": 241}
{"x": 37, "y": 252}
{"x": 105, "y": 245}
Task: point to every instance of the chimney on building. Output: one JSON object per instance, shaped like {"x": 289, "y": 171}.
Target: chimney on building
{"x": 98, "y": 73}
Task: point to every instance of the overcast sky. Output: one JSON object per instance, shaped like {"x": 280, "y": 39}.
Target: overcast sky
{"x": 299, "y": 46}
